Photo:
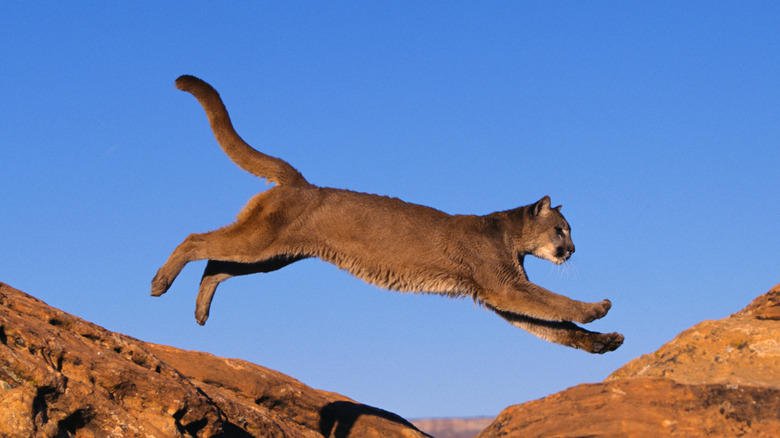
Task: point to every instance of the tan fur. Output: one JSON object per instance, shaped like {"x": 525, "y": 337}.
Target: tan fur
{"x": 386, "y": 242}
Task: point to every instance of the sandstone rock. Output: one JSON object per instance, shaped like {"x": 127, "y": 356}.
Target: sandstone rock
{"x": 742, "y": 349}
{"x": 61, "y": 376}
{"x": 718, "y": 378}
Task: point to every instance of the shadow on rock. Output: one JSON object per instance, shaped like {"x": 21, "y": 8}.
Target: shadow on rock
{"x": 337, "y": 419}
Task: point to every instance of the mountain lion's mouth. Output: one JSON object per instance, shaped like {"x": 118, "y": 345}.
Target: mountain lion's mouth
{"x": 562, "y": 254}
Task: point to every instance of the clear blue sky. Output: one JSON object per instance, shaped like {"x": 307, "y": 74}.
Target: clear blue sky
{"x": 656, "y": 125}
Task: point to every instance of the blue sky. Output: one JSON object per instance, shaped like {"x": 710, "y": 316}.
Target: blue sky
{"x": 654, "y": 124}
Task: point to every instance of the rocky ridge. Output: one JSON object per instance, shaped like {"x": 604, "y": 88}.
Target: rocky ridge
{"x": 718, "y": 378}
{"x": 61, "y": 376}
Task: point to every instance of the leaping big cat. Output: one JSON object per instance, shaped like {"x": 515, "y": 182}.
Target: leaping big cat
{"x": 387, "y": 242}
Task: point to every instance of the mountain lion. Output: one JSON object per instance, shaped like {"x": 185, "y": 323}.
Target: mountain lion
{"x": 386, "y": 242}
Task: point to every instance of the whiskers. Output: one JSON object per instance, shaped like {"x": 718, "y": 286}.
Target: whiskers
{"x": 566, "y": 268}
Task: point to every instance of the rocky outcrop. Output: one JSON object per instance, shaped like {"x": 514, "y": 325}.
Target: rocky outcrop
{"x": 61, "y": 376}
{"x": 743, "y": 349}
{"x": 718, "y": 378}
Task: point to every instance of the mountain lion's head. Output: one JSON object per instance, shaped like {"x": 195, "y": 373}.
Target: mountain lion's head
{"x": 544, "y": 232}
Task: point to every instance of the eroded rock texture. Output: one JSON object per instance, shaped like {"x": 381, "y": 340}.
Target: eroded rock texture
{"x": 61, "y": 376}
{"x": 718, "y": 378}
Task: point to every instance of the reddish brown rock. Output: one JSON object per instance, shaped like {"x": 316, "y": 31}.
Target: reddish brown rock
{"x": 718, "y": 378}
{"x": 63, "y": 376}
{"x": 742, "y": 349}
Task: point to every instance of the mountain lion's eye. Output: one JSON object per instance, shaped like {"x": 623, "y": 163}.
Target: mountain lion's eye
{"x": 559, "y": 231}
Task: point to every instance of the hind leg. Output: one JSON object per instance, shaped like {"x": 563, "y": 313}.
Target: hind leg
{"x": 191, "y": 249}
{"x": 218, "y": 271}
{"x": 236, "y": 243}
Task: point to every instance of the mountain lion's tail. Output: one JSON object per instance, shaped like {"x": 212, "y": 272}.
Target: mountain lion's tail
{"x": 246, "y": 157}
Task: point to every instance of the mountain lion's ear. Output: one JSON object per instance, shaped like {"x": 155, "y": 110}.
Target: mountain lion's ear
{"x": 540, "y": 206}
{"x": 558, "y": 208}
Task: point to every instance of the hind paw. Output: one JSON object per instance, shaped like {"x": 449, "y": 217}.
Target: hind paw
{"x": 160, "y": 284}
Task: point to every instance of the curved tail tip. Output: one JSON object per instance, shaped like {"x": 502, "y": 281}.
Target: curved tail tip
{"x": 187, "y": 82}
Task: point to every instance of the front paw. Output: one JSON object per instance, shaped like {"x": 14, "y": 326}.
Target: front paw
{"x": 594, "y": 311}
{"x": 604, "y": 342}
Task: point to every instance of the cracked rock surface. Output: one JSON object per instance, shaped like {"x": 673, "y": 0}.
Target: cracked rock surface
{"x": 61, "y": 376}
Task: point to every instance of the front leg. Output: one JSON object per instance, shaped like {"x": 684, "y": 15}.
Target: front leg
{"x": 565, "y": 333}
{"x": 522, "y": 297}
